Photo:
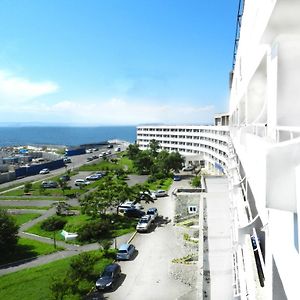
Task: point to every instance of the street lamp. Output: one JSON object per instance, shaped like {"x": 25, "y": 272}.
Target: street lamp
{"x": 115, "y": 239}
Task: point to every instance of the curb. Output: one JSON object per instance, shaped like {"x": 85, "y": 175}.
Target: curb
{"x": 132, "y": 237}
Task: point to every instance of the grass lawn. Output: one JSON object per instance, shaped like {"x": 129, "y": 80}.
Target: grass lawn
{"x": 34, "y": 283}
{"x": 121, "y": 225}
{"x": 23, "y": 218}
{"x": 46, "y": 194}
{"x": 28, "y": 248}
{"x": 28, "y": 207}
{"x": 73, "y": 223}
{"x": 124, "y": 162}
{"x": 161, "y": 184}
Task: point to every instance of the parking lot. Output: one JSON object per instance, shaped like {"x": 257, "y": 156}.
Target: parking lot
{"x": 146, "y": 276}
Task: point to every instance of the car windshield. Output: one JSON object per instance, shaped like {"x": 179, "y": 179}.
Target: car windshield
{"x": 150, "y": 212}
{"x": 107, "y": 274}
{"x": 144, "y": 221}
{"x": 122, "y": 251}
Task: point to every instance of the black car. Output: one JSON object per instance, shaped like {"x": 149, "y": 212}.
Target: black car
{"x": 133, "y": 213}
{"x": 65, "y": 178}
{"x": 109, "y": 277}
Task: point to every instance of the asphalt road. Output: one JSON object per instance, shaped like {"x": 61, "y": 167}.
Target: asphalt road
{"x": 147, "y": 276}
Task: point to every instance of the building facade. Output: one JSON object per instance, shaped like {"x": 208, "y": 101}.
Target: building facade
{"x": 198, "y": 144}
{"x": 264, "y": 155}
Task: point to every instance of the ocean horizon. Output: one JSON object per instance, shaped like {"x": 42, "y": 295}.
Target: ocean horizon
{"x": 64, "y": 135}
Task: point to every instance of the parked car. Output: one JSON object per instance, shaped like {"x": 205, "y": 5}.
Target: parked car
{"x": 45, "y": 171}
{"x": 152, "y": 212}
{"x": 125, "y": 206}
{"x": 89, "y": 158}
{"x": 177, "y": 178}
{"x": 148, "y": 196}
{"x": 144, "y": 224}
{"x": 67, "y": 160}
{"x": 78, "y": 182}
{"x": 102, "y": 173}
{"x": 109, "y": 277}
{"x": 110, "y": 146}
{"x": 118, "y": 149}
{"x": 188, "y": 168}
{"x": 133, "y": 213}
{"x": 161, "y": 193}
{"x": 88, "y": 150}
{"x": 64, "y": 178}
{"x": 49, "y": 184}
{"x": 125, "y": 252}
{"x": 93, "y": 177}
{"x": 95, "y": 156}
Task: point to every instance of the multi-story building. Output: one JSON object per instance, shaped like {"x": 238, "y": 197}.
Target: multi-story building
{"x": 264, "y": 157}
{"x": 261, "y": 158}
{"x": 198, "y": 144}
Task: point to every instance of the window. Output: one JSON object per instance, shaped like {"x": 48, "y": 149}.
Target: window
{"x": 192, "y": 209}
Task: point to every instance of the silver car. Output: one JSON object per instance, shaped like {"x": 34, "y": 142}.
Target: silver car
{"x": 125, "y": 252}
{"x": 144, "y": 224}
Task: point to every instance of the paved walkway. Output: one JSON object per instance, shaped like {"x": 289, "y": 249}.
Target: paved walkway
{"x": 219, "y": 238}
{"x": 73, "y": 250}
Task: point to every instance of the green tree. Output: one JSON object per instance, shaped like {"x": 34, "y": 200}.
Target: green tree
{"x": 143, "y": 162}
{"x": 154, "y": 147}
{"x": 60, "y": 287}
{"x": 8, "y": 233}
{"x": 63, "y": 185}
{"x": 27, "y": 187}
{"x": 105, "y": 245}
{"x": 54, "y": 224}
{"x": 82, "y": 267}
{"x": 196, "y": 181}
{"x": 175, "y": 161}
{"x": 133, "y": 151}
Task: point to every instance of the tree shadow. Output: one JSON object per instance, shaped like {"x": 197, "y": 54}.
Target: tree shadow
{"x": 22, "y": 254}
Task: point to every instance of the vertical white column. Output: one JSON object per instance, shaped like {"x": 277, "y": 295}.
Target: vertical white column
{"x": 272, "y": 63}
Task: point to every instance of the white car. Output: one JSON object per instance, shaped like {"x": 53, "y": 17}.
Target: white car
{"x": 79, "y": 182}
{"x": 144, "y": 224}
{"x": 153, "y": 213}
{"x": 161, "y": 193}
{"x": 125, "y": 206}
{"x": 44, "y": 171}
{"x": 144, "y": 195}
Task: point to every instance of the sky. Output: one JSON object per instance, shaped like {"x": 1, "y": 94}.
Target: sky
{"x": 115, "y": 62}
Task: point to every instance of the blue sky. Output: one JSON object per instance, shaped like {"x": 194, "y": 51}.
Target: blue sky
{"x": 115, "y": 62}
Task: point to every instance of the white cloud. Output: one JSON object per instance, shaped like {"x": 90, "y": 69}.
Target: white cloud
{"x": 115, "y": 112}
{"x": 18, "y": 89}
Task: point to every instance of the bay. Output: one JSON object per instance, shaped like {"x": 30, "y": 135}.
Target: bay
{"x": 68, "y": 136}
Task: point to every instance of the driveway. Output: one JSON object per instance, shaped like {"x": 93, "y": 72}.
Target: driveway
{"x": 147, "y": 276}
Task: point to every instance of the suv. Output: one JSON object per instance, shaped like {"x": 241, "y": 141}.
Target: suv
{"x": 108, "y": 277}
{"x": 125, "y": 252}
{"x": 144, "y": 224}
{"x": 153, "y": 213}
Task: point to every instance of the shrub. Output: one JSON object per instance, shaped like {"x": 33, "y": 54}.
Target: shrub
{"x": 94, "y": 231}
{"x": 196, "y": 181}
{"x": 53, "y": 224}
{"x": 27, "y": 187}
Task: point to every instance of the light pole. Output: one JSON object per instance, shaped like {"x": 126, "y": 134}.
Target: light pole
{"x": 115, "y": 239}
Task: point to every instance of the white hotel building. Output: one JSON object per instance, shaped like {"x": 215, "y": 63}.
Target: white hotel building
{"x": 259, "y": 150}
{"x": 207, "y": 144}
